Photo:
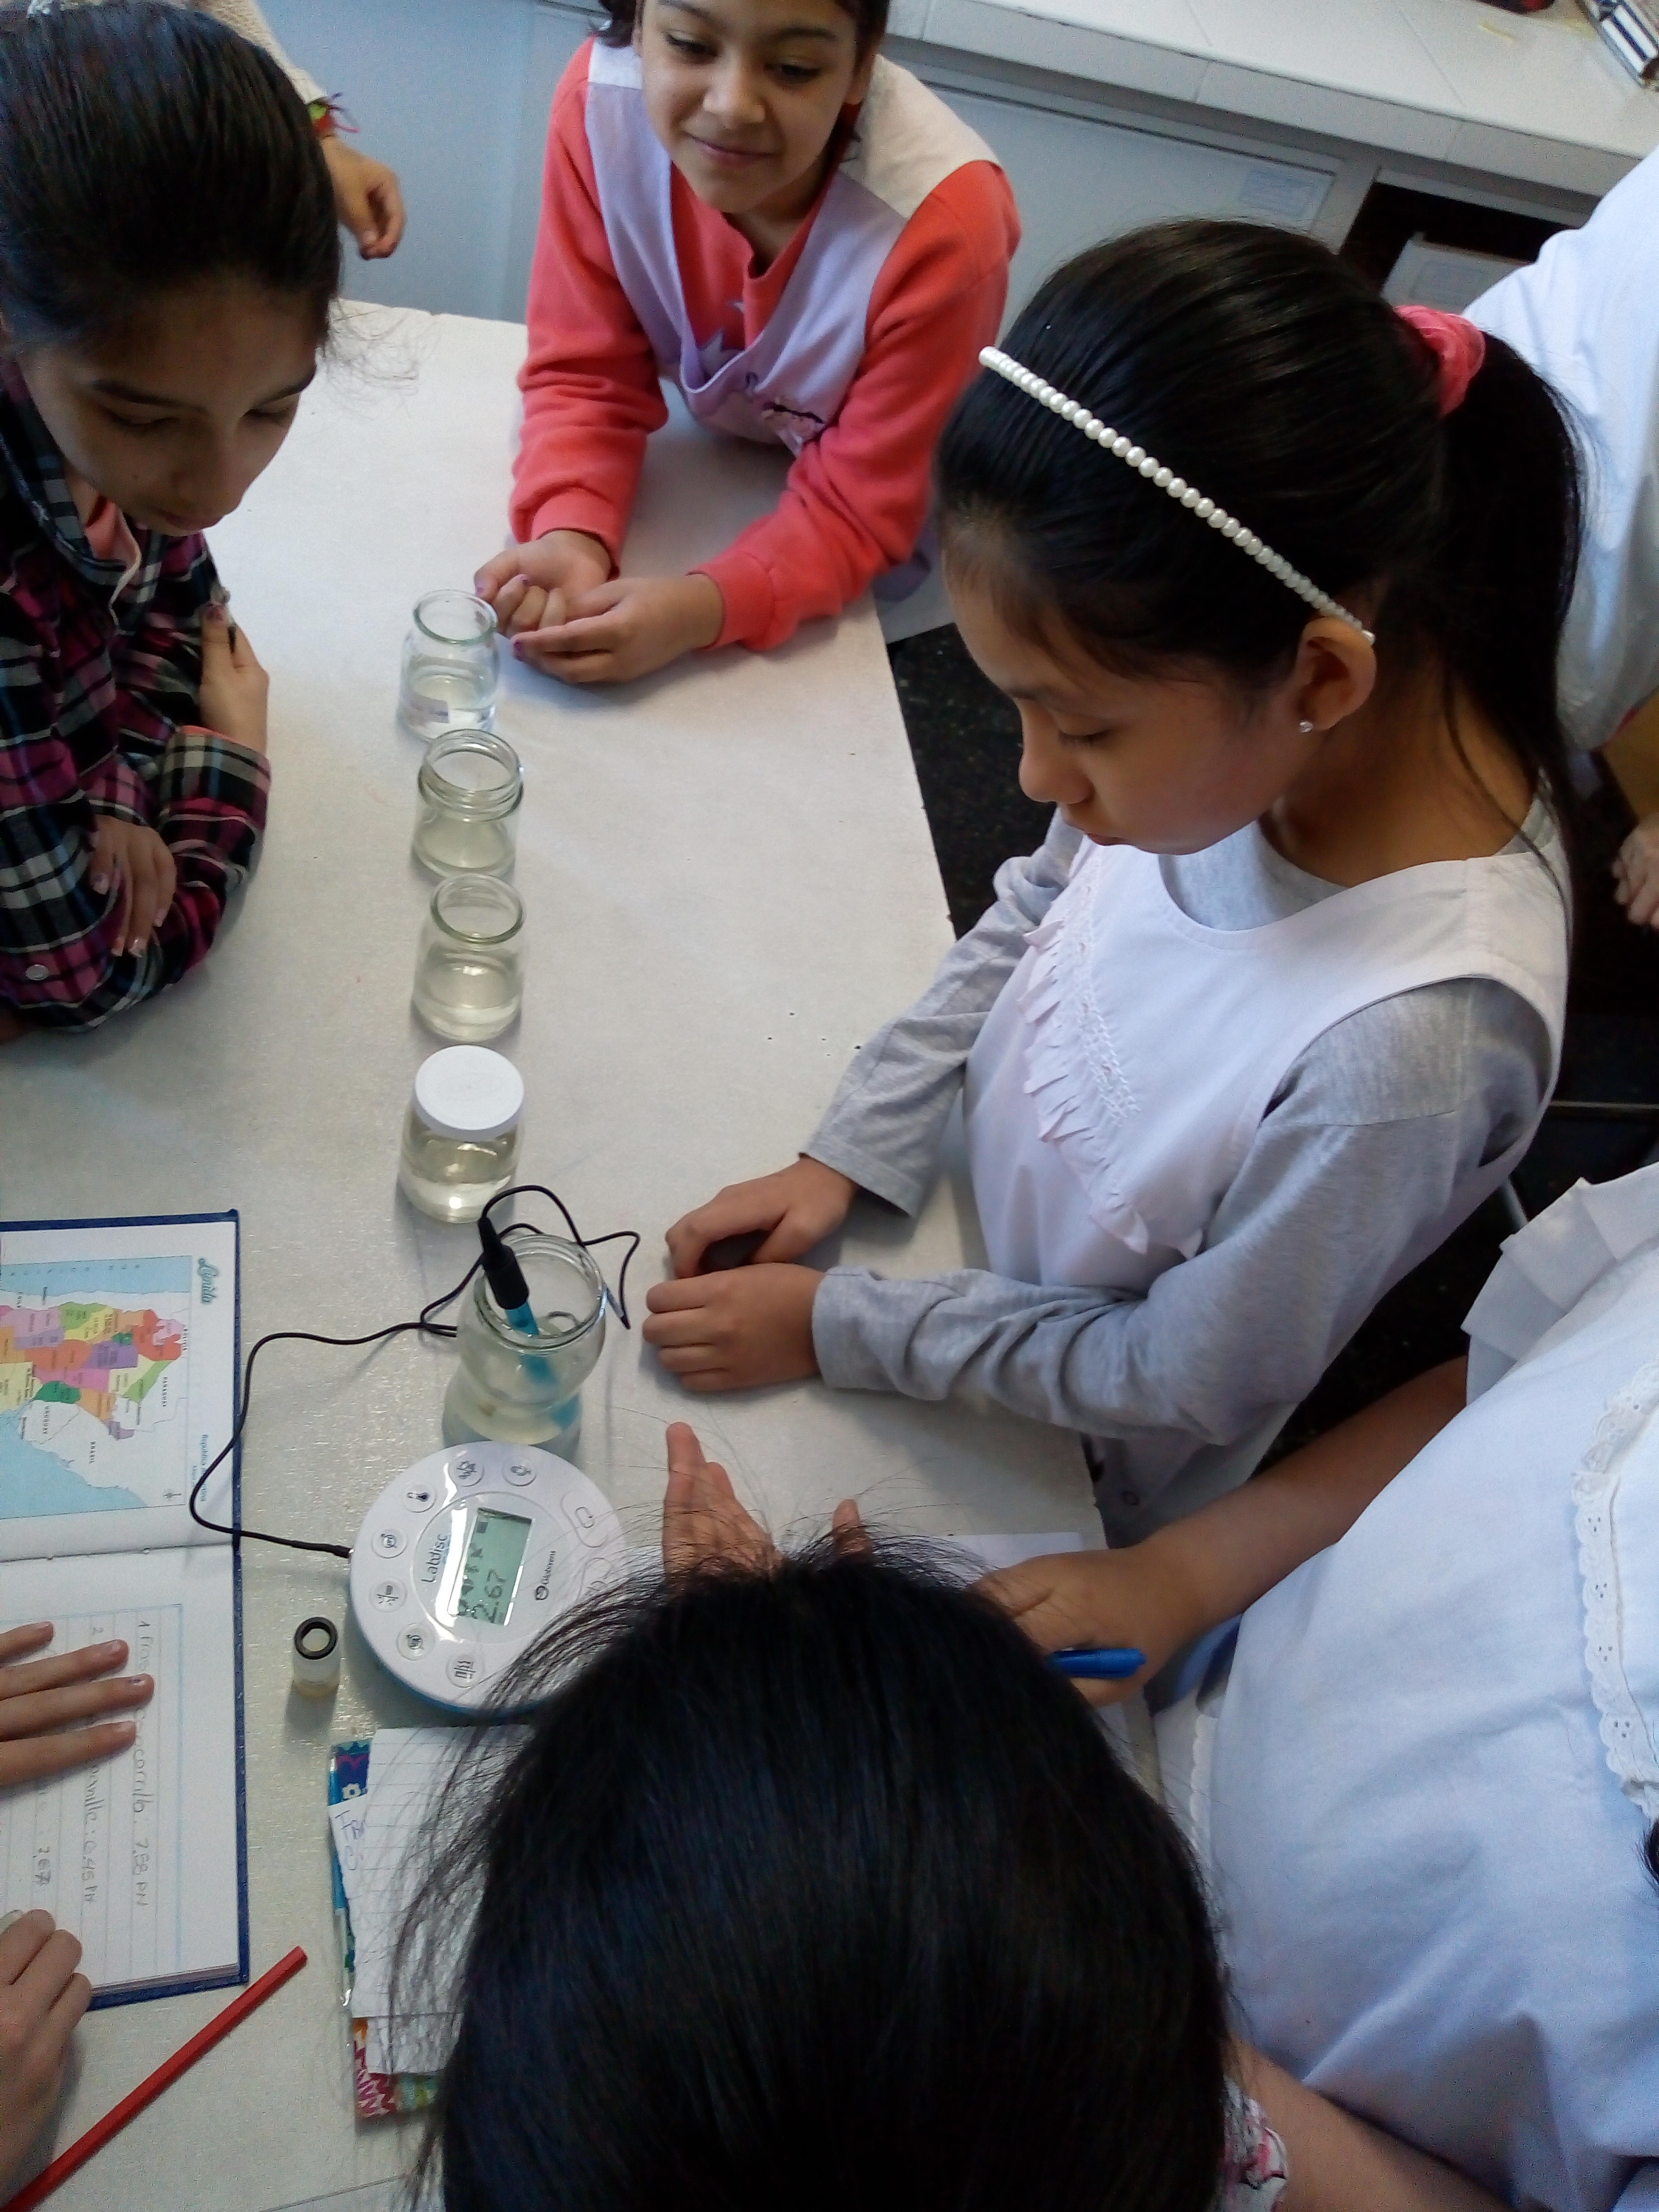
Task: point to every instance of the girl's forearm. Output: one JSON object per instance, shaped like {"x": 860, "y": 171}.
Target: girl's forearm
{"x": 1339, "y": 2164}
{"x": 1221, "y": 1559}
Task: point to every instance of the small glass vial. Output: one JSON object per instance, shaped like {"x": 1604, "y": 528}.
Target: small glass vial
{"x": 449, "y": 665}
{"x": 466, "y": 821}
{"x": 468, "y": 973}
{"x": 520, "y": 1388}
{"x": 461, "y": 1138}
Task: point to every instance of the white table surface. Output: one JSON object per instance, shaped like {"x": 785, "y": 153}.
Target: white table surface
{"x": 729, "y": 882}
{"x": 1538, "y": 98}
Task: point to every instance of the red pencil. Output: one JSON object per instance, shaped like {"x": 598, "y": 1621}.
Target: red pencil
{"x": 71, "y": 2161}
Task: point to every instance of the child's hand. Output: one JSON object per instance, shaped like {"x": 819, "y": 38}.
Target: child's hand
{"x": 235, "y": 689}
{"x": 798, "y": 1207}
{"x": 45, "y": 1703}
{"x": 1112, "y": 1598}
{"x": 736, "y": 1331}
{"x": 128, "y": 857}
{"x": 368, "y": 199}
{"x": 41, "y": 2001}
{"x": 1636, "y": 874}
{"x": 528, "y": 586}
{"x": 627, "y": 628}
{"x": 703, "y": 1525}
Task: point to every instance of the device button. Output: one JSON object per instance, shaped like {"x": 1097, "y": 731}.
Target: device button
{"x": 419, "y": 1495}
{"x": 468, "y": 1473}
{"x": 521, "y": 1474}
{"x": 578, "y": 1511}
{"x": 465, "y": 1668}
{"x": 597, "y": 1575}
{"x": 388, "y": 1597}
{"x": 388, "y": 1542}
{"x": 414, "y": 1642}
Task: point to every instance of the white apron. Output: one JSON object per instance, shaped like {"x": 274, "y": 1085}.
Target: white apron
{"x": 1120, "y": 1077}
{"x": 788, "y": 387}
{"x": 1424, "y": 1800}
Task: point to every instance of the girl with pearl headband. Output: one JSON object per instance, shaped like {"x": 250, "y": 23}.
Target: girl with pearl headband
{"x": 1276, "y": 578}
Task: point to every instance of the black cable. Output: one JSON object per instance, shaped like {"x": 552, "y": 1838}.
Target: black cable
{"x": 426, "y": 1325}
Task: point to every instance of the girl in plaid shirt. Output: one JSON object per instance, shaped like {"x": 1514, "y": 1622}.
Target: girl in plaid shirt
{"x": 168, "y": 260}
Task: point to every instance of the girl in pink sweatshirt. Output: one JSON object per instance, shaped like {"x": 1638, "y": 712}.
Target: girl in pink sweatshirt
{"x": 744, "y": 197}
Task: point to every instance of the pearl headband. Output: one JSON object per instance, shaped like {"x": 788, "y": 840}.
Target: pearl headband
{"x": 1166, "y": 480}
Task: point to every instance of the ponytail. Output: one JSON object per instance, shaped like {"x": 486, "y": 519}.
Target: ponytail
{"x": 1259, "y": 367}
{"x": 1492, "y": 603}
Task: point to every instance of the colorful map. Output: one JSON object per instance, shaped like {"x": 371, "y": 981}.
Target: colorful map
{"x": 93, "y": 1390}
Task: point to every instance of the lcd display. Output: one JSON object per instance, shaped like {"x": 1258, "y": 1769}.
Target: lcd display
{"x": 489, "y": 1573}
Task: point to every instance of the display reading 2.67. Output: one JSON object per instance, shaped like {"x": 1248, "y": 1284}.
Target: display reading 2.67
{"x": 489, "y": 1573}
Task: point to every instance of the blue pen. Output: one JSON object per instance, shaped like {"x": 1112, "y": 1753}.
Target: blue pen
{"x": 1098, "y": 1662}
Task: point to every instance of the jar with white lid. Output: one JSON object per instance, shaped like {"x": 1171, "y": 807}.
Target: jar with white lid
{"x": 461, "y": 1137}
{"x": 469, "y": 787}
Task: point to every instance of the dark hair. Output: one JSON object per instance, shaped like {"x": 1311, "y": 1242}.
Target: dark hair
{"x": 1268, "y": 372}
{"x": 144, "y": 148}
{"x": 818, "y": 1887}
{"x": 621, "y": 17}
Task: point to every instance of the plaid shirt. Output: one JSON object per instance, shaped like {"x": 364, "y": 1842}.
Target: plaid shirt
{"x": 98, "y": 689}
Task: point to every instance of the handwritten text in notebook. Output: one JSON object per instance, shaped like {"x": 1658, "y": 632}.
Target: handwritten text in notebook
{"x": 100, "y": 1849}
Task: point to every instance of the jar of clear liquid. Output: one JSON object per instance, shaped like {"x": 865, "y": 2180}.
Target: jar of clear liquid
{"x": 521, "y": 1389}
{"x": 468, "y": 973}
{"x": 470, "y": 787}
{"x": 449, "y": 665}
{"x": 461, "y": 1137}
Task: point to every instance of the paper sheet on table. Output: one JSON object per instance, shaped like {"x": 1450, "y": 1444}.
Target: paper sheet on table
{"x": 346, "y": 1821}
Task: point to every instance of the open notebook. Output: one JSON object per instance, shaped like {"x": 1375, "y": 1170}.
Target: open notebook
{"x": 118, "y": 1385}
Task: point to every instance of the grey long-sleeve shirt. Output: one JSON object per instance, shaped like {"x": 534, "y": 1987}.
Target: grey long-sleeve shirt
{"x": 1179, "y": 1390}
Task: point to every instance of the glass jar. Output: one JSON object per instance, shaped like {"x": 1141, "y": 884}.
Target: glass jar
{"x": 520, "y": 1388}
{"x": 449, "y": 665}
{"x": 470, "y": 787}
{"x": 468, "y": 973}
{"x": 461, "y": 1137}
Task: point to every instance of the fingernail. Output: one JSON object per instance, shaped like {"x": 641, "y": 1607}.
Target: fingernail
{"x": 137, "y": 947}
{"x": 100, "y": 884}
{"x": 213, "y": 612}
{"x": 113, "y": 1645}
{"x": 145, "y": 1682}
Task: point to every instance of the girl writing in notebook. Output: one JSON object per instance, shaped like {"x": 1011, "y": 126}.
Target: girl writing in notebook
{"x": 168, "y": 260}
{"x": 1275, "y": 576}
{"x": 744, "y": 197}
{"x": 809, "y": 1882}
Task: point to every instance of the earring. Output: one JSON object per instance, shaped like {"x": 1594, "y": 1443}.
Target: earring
{"x": 1305, "y": 727}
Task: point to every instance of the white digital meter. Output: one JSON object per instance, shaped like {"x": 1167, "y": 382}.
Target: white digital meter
{"x": 468, "y": 1556}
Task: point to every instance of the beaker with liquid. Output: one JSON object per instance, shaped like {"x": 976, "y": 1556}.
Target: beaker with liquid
{"x": 468, "y": 973}
{"x": 469, "y": 789}
{"x": 523, "y": 1389}
{"x": 450, "y": 665}
{"x": 461, "y": 1135}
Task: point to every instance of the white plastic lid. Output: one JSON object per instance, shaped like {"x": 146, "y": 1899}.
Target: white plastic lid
{"x": 466, "y": 1091}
